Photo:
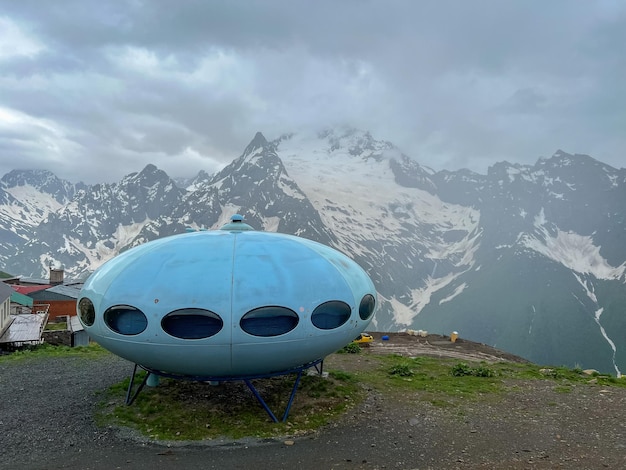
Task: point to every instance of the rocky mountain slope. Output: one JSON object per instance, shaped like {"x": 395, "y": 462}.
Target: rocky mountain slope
{"x": 530, "y": 259}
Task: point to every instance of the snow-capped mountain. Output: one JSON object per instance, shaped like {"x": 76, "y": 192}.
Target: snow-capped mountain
{"x": 27, "y": 198}
{"x": 550, "y": 278}
{"x": 410, "y": 241}
{"x": 96, "y": 224}
{"x": 531, "y": 259}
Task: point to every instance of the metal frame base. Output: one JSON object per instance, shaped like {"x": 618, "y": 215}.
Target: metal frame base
{"x": 318, "y": 364}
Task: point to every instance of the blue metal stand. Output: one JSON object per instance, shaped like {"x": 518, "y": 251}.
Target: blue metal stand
{"x": 129, "y": 399}
{"x": 267, "y": 408}
{"x": 247, "y": 380}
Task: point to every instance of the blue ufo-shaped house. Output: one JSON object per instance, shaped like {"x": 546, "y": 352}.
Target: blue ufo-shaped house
{"x": 227, "y": 304}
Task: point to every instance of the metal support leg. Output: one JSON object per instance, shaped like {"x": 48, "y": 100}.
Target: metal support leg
{"x": 293, "y": 395}
{"x": 266, "y": 407}
{"x": 129, "y": 399}
{"x": 260, "y": 400}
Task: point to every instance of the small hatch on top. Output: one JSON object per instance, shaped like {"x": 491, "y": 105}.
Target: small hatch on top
{"x": 236, "y": 224}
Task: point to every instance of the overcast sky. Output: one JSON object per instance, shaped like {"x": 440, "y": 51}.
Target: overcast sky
{"x": 93, "y": 90}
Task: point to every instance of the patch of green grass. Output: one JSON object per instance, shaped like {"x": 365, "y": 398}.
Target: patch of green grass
{"x": 429, "y": 377}
{"x": 440, "y": 403}
{"x": 560, "y": 374}
{"x": 48, "y": 350}
{"x": 444, "y": 382}
{"x": 181, "y": 410}
{"x": 56, "y": 326}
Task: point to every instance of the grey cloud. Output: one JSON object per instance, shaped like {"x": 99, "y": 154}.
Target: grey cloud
{"x": 453, "y": 83}
{"x": 525, "y": 100}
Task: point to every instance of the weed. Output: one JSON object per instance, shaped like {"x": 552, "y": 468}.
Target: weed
{"x": 482, "y": 371}
{"x": 350, "y": 348}
{"x": 462, "y": 369}
{"x": 403, "y": 370}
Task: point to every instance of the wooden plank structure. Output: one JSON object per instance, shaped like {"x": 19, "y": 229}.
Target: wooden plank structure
{"x": 24, "y": 330}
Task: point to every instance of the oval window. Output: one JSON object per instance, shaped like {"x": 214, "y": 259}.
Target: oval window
{"x": 192, "y": 323}
{"x": 86, "y": 311}
{"x": 269, "y": 321}
{"x": 331, "y": 315}
{"x": 366, "y": 308}
{"x": 125, "y": 320}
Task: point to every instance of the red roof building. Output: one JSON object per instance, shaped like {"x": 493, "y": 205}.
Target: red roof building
{"x": 25, "y": 290}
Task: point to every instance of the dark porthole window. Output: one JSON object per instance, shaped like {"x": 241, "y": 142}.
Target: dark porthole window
{"x": 269, "y": 321}
{"x": 331, "y": 315}
{"x": 86, "y": 311}
{"x": 366, "y": 308}
{"x": 125, "y": 320}
{"x": 192, "y": 323}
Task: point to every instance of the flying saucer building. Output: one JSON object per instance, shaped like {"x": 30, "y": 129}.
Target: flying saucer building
{"x": 227, "y": 304}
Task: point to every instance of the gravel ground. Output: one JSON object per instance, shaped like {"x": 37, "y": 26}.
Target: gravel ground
{"x": 46, "y": 422}
{"x": 47, "y": 407}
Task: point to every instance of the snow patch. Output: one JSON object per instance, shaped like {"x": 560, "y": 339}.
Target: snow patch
{"x": 588, "y": 286}
{"x": 598, "y": 314}
{"x": 456, "y": 292}
{"x": 271, "y": 224}
{"x": 576, "y": 252}
{"x": 228, "y": 210}
{"x": 31, "y": 206}
{"x": 608, "y": 340}
{"x": 402, "y": 314}
{"x": 419, "y": 299}
{"x": 532, "y": 320}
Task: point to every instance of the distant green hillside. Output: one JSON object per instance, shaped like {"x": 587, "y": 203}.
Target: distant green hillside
{"x": 4, "y": 275}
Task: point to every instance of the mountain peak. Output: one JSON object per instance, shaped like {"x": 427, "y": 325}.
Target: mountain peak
{"x": 35, "y": 178}
{"x": 258, "y": 142}
{"x": 43, "y": 181}
{"x": 149, "y": 176}
{"x": 561, "y": 153}
{"x": 563, "y": 159}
